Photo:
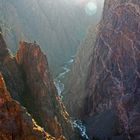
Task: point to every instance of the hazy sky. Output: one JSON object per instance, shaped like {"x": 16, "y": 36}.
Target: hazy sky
{"x": 86, "y": 1}
{"x": 91, "y": 6}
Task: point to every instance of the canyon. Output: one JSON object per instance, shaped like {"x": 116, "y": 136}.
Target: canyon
{"x": 91, "y": 95}
{"x": 28, "y": 79}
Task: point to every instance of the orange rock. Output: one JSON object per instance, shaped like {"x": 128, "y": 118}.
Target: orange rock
{"x": 46, "y": 108}
{"x": 29, "y": 81}
{"x": 15, "y": 122}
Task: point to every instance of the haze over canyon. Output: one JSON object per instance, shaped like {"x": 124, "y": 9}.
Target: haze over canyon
{"x": 70, "y": 70}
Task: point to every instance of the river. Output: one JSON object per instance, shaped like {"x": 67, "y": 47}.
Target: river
{"x": 58, "y": 80}
{"x": 77, "y": 124}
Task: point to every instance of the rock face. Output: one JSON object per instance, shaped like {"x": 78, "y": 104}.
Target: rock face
{"x": 15, "y": 122}
{"x": 114, "y": 73}
{"x": 74, "y": 93}
{"x": 112, "y": 89}
{"x": 10, "y": 70}
{"x": 29, "y": 81}
{"x": 44, "y": 104}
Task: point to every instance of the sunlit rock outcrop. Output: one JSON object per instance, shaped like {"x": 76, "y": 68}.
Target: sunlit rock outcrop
{"x": 15, "y": 122}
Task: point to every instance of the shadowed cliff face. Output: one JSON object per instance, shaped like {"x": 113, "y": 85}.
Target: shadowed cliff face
{"x": 113, "y": 79}
{"x": 15, "y": 122}
{"x": 29, "y": 81}
{"x": 74, "y": 94}
{"x": 110, "y": 101}
{"x": 10, "y": 70}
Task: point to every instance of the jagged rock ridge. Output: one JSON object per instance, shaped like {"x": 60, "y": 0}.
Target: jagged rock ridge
{"x": 46, "y": 106}
{"x": 29, "y": 81}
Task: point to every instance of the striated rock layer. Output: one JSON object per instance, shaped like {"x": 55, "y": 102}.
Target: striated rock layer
{"x": 28, "y": 79}
{"x": 113, "y": 81}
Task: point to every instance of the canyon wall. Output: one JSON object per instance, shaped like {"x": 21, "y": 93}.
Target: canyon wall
{"x": 15, "y": 122}
{"x": 113, "y": 78}
{"x": 10, "y": 70}
{"x": 29, "y": 81}
{"x": 41, "y": 95}
{"x": 111, "y": 100}
{"x": 74, "y": 93}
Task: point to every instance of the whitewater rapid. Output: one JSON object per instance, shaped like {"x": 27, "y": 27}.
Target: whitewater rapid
{"x": 58, "y": 80}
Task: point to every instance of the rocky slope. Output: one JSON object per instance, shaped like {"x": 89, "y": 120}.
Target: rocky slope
{"x": 15, "y": 122}
{"x": 44, "y": 103}
{"x": 111, "y": 106}
{"x": 29, "y": 81}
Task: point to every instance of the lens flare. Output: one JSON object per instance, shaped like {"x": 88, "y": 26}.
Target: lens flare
{"x": 91, "y": 8}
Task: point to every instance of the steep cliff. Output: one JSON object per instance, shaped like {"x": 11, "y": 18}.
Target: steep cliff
{"x": 15, "y": 122}
{"x": 113, "y": 78}
{"x": 115, "y": 54}
{"x": 29, "y": 81}
{"x": 74, "y": 93}
{"x": 44, "y": 103}
{"x": 74, "y": 81}
{"x": 10, "y": 70}
{"x": 110, "y": 101}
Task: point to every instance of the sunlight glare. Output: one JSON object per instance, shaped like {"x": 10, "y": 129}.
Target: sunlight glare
{"x": 91, "y": 8}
